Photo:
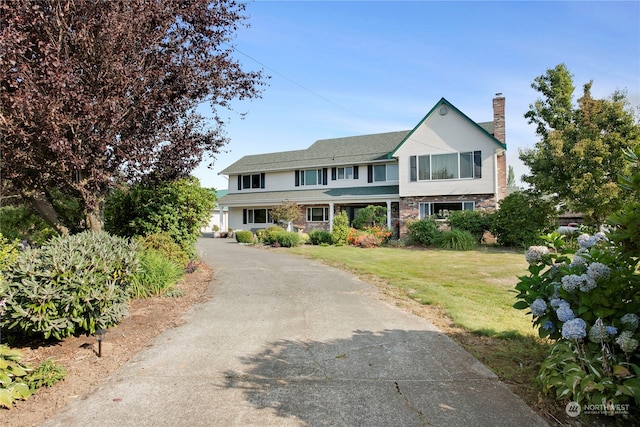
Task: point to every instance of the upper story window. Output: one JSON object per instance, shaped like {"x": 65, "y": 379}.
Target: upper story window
{"x": 446, "y": 166}
{"x": 311, "y": 177}
{"x": 344, "y": 173}
{"x": 382, "y": 173}
{"x": 251, "y": 181}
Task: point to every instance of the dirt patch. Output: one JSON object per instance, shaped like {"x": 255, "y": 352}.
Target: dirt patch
{"x": 79, "y": 355}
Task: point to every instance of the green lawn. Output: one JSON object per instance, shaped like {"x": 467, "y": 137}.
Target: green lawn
{"x": 475, "y": 288}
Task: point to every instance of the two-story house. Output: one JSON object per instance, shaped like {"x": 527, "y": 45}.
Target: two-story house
{"x": 446, "y": 162}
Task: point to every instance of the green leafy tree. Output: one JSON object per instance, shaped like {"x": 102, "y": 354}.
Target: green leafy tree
{"x": 95, "y": 90}
{"x": 371, "y": 216}
{"x": 521, "y": 220}
{"x": 179, "y": 208}
{"x": 580, "y": 154}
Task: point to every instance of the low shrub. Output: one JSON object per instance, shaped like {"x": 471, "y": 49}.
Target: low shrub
{"x": 340, "y": 228}
{"x": 370, "y": 237}
{"x": 286, "y": 239}
{"x": 70, "y": 286}
{"x": 45, "y": 375}
{"x": 12, "y": 373}
{"x": 244, "y": 236}
{"x": 156, "y": 275}
{"x": 319, "y": 237}
{"x": 423, "y": 231}
{"x": 475, "y": 222}
{"x": 457, "y": 240}
{"x": 270, "y": 232}
{"x": 163, "y": 242}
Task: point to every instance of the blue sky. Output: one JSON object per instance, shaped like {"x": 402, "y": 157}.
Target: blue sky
{"x": 353, "y": 68}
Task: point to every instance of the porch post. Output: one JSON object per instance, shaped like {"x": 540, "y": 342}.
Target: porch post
{"x": 330, "y": 216}
{"x": 389, "y": 214}
{"x": 221, "y": 219}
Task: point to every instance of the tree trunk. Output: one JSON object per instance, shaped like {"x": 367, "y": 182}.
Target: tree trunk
{"x": 45, "y": 209}
{"x": 94, "y": 221}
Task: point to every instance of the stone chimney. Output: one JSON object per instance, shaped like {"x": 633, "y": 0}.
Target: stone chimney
{"x": 498, "y": 119}
{"x": 499, "y": 133}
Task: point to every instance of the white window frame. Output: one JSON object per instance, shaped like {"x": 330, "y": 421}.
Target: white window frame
{"x": 427, "y": 209}
{"x": 325, "y": 213}
{"x": 421, "y": 159}
{"x": 303, "y": 175}
{"x": 251, "y": 216}
{"x": 393, "y": 168}
{"x": 345, "y": 172}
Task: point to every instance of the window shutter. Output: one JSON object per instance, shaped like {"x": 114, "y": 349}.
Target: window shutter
{"x": 413, "y": 167}
{"x": 355, "y": 172}
{"x": 333, "y": 174}
{"x": 369, "y": 173}
{"x": 477, "y": 164}
{"x": 244, "y": 216}
{"x": 324, "y": 176}
{"x": 239, "y": 182}
{"x": 297, "y": 174}
{"x": 262, "y": 180}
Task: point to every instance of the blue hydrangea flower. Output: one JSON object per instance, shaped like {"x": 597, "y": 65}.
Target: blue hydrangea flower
{"x": 577, "y": 261}
{"x": 587, "y": 284}
{"x": 571, "y": 282}
{"x": 538, "y": 307}
{"x": 630, "y": 321}
{"x": 611, "y": 330}
{"x": 549, "y": 326}
{"x": 598, "y": 270}
{"x": 557, "y": 302}
{"x": 535, "y": 253}
{"x": 565, "y": 313}
{"x": 586, "y": 241}
{"x": 574, "y": 329}
{"x": 627, "y": 342}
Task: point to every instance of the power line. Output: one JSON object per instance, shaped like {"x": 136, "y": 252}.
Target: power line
{"x": 290, "y": 80}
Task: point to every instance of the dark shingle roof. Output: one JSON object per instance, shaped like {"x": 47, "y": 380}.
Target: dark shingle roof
{"x": 323, "y": 153}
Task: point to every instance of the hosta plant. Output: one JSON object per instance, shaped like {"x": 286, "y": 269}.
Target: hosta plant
{"x": 12, "y": 373}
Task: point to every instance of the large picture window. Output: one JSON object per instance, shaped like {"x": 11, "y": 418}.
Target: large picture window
{"x": 464, "y": 165}
{"x": 442, "y": 209}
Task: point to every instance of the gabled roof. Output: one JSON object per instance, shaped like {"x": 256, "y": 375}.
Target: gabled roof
{"x": 486, "y": 128}
{"x": 323, "y": 153}
{"x": 343, "y": 151}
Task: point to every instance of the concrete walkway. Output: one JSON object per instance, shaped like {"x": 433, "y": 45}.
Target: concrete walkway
{"x": 285, "y": 341}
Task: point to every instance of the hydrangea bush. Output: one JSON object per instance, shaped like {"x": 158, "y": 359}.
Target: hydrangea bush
{"x": 587, "y": 301}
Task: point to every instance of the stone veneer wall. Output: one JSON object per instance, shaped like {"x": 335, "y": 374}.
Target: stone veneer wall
{"x": 410, "y": 206}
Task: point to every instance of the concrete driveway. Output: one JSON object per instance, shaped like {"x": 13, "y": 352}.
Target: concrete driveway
{"x": 285, "y": 341}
